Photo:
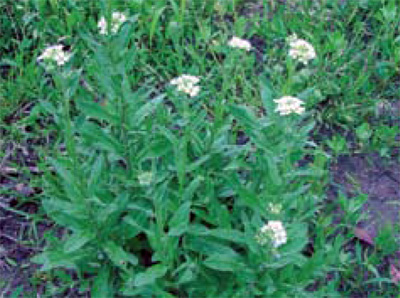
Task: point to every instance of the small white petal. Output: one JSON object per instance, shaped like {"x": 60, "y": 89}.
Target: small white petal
{"x": 236, "y": 42}
{"x": 289, "y": 104}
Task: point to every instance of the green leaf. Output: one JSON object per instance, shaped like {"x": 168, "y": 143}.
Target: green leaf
{"x": 273, "y": 170}
{"x": 96, "y": 111}
{"x": 100, "y": 138}
{"x": 155, "y": 19}
{"x": 150, "y": 275}
{"x": 69, "y": 181}
{"x": 180, "y": 221}
{"x": 102, "y": 286}
{"x": 96, "y": 171}
{"x": 186, "y": 276}
{"x": 222, "y": 262}
{"x": 57, "y": 259}
{"x": 139, "y": 221}
{"x": 72, "y": 215}
{"x": 181, "y": 160}
{"x": 267, "y": 96}
{"x": 90, "y": 42}
{"x": 111, "y": 213}
{"x": 157, "y": 148}
{"x": 70, "y": 83}
{"x": 245, "y": 117}
{"x": 246, "y": 196}
{"x": 223, "y": 234}
{"x": 283, "y": 261}
{"x": 48, "y": 107}
{"x": 298, "y": 239}
{"x": 198, "y": 163}
{"x": 136, "y": 117}
{"x": 191, "y": 188}
{"x": 78, "y": 240}
{"x": 118, "y": 255}
{"x": 143, "y": 206}
{"x": 230, "y": 235}
{"x": 364, "y": 132}
{"x": 208, "y": 246}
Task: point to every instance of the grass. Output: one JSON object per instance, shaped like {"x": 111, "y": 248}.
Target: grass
{"x": 214, "y": 163}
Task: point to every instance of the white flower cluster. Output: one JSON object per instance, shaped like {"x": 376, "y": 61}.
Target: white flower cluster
{"x": 117, "y": 19}
{"x": 55, "y": 53}
{"x": 236, "y": 42}
{"x": 274, "y": 232}
{"x": 274, "y": 208}
{"x": 301, "y": 50}
{"x": 187, "y": 84}
{"x": 145, "y": 178}
{"x": 288, "y": 105}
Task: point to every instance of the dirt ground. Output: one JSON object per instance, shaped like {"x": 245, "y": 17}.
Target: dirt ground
{"x": 20, "y": 234}
{"x": 377, "y": 177}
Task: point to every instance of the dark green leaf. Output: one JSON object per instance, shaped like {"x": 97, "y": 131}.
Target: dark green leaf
{"x": 102, "y": 286}
{"x": 118, "y": 255}
{"x": 97, "y": 111}
{"x": 179, "y": 222}
{"x": 137, "y": 117}
{"x": 77, "y": 240}
{"x": 150, "y": 275}
{"x": 97, "y": 136}
{"x": 221, "y": 262}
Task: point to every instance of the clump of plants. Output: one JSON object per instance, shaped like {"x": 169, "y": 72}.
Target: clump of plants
{"x": 187, "y": 156}
{"x": 179, "y": 190}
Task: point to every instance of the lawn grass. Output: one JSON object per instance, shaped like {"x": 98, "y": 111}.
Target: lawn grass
{"x": 162, "y": 193}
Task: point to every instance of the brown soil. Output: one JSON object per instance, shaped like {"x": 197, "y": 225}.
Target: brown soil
{"x": 19, "y": 234}
{"x": 377, "y": 177}
{"x": 16, "y": 248}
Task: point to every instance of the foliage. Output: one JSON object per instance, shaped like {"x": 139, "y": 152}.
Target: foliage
{"x": 205, "y": 196}
{"x": 160, "y": 194}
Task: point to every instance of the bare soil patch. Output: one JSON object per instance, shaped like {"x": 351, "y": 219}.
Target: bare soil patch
{"x": 377, "y": 177}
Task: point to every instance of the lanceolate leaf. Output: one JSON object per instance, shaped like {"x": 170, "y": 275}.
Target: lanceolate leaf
{"x": 223, "y": 262}
{"x": 97, "y": 111}
{"x": 77, "y": 240}
{"x": 100, "y": 138}
{"x": 118, "y": 255}
{"x": 150, "y": 275}
{"x": 245, "y": 117}
{"x": 180, "y": 220}
{"x": 102, "y": 285}
{"x": 136, "y": 117}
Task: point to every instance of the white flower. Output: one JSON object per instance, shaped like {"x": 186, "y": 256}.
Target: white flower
{"x": 288, "y": 105}
{"x": 187, "y": 84}
{"x": 117, "y": 19}
{"x": 55, "y": 53}
{"x": 301, "y": 50}
{"x": 194, "y": 91}
{"x": 275, "y": 208}
{"x": 273, "y": 232}
{"x": 187, "y": 79}
{"x": 145, "y": 178}
{"x": 215, "y": 42}
{"x": 239, "y": 43}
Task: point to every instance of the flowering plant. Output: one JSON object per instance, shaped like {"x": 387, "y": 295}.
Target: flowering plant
{"x": 159, "y": 194}
{"x": 236, "y": 42}
{"x": 54, "y": 54}
{"x": 166, "y": 200}
{"x": 301, "y": 50}
{"x": 187, "y": 84}
{"x": 117, "y": 19}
